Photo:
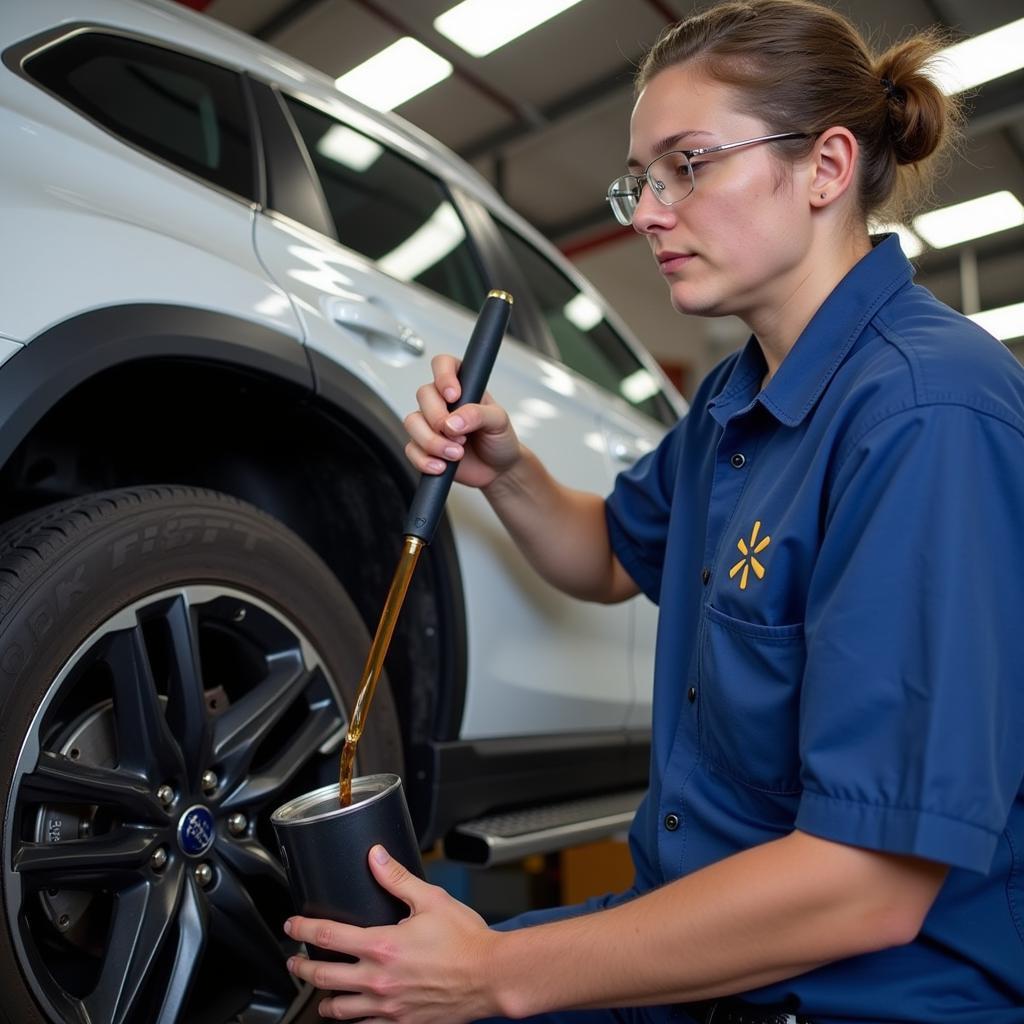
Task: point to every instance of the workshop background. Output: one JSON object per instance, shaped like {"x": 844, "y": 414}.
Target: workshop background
{"x": 544, "y": 117}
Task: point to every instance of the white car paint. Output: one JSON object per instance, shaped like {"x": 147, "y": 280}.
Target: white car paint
{"x": 90, "y": 221}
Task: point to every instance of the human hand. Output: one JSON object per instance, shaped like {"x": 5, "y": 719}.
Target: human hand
{"x": 434, "y": 967}
{"x": 479, "y": 437}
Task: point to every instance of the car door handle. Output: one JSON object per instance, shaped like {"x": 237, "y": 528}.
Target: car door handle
{"x": 375, "y": 325}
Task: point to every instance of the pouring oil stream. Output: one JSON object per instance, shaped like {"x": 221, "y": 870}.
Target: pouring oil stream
{"x": 424, "y": 515}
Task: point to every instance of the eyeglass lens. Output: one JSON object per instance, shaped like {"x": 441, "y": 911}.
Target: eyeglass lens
{"x": 670, "y": 177}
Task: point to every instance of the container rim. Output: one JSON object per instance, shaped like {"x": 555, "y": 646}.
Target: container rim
{"x": 370, "y": 787}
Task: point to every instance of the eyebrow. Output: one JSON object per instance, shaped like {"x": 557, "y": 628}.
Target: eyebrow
{"x": 665, "y": 145}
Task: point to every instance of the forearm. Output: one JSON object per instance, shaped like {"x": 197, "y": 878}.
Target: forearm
{"x": 561, "y": 531}
{"x": 768, "y": 913}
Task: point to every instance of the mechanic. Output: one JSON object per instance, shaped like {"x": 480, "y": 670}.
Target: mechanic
{"x": 834, "y": 829}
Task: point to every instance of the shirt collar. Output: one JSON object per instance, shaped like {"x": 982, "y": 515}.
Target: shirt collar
{"x": 823, "y": 344}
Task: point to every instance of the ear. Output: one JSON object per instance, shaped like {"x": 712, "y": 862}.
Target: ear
{"x": 833, "y": 167}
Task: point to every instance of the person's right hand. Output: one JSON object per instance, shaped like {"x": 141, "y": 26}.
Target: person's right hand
{"x": 479, "y": 437}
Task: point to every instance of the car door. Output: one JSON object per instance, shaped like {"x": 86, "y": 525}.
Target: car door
{"x": 384, "y": 274}
{"x": 632, "y": 400}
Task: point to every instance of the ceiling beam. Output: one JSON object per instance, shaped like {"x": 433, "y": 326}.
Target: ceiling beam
{"x": 620, "y": 80}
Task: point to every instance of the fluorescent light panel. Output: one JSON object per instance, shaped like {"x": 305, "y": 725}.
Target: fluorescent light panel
{"x": 1005, "y": 323}
{"x": 481, "y": 26}
{"x": 986, "y": 215}
{"x": 353, "y": 149}
{"x": 396, "y": 74}
{"x": 981, "y": 58}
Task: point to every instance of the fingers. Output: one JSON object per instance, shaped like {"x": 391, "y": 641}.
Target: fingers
{"x": 468, "y": 419}
{"x": 446, "y": 379}
{"x": 354, "y": 997}
{"x": 350, "y": 1008}
{"x": 322, "y": 974}
{"x": 398, "y": 880}
{"x": 429, "y": 441}
{"x": 432, "y": 405}
{"x": 438, "y": 437}
{"x": 341, "y": 938}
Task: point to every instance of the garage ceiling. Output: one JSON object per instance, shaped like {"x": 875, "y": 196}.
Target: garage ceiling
{"x": 545, "y": 119}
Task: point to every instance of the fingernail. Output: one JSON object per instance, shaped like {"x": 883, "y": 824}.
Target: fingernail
{"x": 436, "y": 465}
{"x": 456, "y": 423}
{"x": 291, "y": 963}
{"x": 451, "y": 452}
{"x": 380, "y": 855}
{"x": 451, "y": 394}
{"x": 288, "y": 926}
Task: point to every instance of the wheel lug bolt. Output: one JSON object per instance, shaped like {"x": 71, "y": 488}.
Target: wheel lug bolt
{"x": 237, "y": 824}
{"x": 203, "y": 874}
{"x": 63, "y": 921}
{"x": 159, "y": 859}
{"x": 209, "y": 781}
{"x": 165, "y": 794}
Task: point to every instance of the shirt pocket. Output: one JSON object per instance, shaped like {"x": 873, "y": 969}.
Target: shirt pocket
{"x": 750, "y": 703}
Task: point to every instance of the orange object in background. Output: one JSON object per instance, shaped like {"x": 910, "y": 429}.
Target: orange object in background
{"x": 595, "y": 869}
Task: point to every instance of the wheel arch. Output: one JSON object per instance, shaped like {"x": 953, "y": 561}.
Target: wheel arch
{"x": 167, "y": 394}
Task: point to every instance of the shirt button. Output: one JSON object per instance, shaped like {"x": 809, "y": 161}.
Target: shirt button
{"x": 739, "y": 460}
{"x": 705, "y": 575}
{"x": 671, "y": 822}
{"x": 691, "y": 694}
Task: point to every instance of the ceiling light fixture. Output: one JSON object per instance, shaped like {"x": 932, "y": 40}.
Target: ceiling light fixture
{"x": 981, "y": 58}
{"x": 481, "y": 26}
{"x": 396, "y": 74}
{"x": 986, "y": 215}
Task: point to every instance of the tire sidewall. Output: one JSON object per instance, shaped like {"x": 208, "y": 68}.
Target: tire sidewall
{"x": 109, "y": 555}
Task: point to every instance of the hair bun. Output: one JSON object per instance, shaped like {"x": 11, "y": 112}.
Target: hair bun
{"x": 915, "y": 106}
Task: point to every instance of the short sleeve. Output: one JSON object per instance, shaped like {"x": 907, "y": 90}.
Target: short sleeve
{"x": 912, "y": 702}
{"x": 639, "y": 508}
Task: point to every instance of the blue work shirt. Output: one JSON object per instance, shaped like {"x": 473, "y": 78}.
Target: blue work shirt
{"x": 840, "y": 644}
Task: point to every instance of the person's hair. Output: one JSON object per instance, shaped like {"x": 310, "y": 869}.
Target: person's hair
{"x": 798, "y": 66}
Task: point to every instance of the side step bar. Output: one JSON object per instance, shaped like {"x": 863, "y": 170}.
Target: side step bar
{"x": 499, "y": 838}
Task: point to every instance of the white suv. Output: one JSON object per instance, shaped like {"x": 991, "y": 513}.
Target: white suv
{"x": 221, "y": 283}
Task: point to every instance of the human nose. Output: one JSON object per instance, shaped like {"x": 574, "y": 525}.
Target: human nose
{"x": 651, "y": 215}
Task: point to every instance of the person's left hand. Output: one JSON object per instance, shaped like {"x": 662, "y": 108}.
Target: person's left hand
{"x": 434, "y": 966}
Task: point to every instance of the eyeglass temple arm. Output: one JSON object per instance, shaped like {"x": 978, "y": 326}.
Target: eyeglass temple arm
{"x": 745, "y": 142}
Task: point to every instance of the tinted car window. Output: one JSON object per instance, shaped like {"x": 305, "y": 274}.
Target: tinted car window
{"x": 390, "y": 210}
{"x": 586, "y": 342}
{"x": 178, "y": 108}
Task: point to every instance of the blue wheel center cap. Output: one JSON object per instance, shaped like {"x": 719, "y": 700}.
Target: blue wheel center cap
{"x": 195, "y": 831}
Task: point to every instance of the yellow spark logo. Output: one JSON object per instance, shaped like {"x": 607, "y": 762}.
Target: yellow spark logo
{"x": 749, "y": 549}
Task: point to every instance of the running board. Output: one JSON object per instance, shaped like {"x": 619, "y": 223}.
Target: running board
{"x": 500, "y": 838}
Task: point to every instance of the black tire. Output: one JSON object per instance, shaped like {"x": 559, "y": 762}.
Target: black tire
{"x": 147, "y": 636}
